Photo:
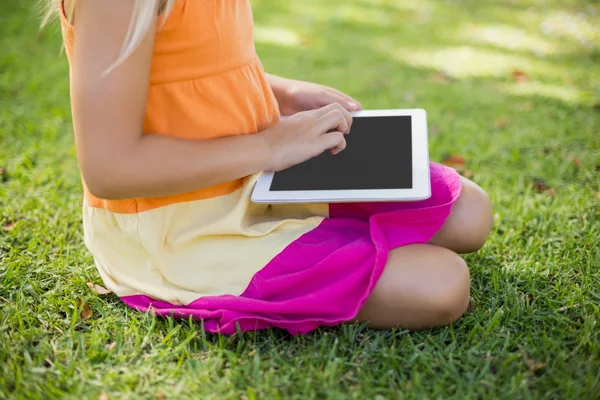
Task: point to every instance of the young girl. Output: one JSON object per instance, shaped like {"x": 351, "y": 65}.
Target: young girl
{"x": 174, "y": 117}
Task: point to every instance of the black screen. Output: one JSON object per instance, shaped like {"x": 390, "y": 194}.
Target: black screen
{"x": 378, "y": 155}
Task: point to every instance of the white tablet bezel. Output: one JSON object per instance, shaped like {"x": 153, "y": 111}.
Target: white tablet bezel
{"x": 421, "y": 189}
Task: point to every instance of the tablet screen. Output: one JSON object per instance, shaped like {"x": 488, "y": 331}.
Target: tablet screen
{"x": 378, "y": 155}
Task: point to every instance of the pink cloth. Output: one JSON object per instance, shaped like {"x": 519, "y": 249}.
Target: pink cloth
{"x": 324, "y": 277}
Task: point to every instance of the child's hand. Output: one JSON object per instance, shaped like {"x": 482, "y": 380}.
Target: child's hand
{"x": 304, "y": 96}
{"x": 306, "y": 135}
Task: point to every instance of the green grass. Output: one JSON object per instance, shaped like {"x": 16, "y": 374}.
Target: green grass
{"x": 533, "y": 330}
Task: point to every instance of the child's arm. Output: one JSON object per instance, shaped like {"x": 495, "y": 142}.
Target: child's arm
{"x": 295, "y": 96}
{"x": 118, "y": 160}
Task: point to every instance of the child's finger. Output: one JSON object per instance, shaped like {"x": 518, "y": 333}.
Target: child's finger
{"x": 333, "y": 120}
{"x": 333, "y": 141}
{"x": 341, "y": 100}
{"x": 348, "y": 102}
{"x": 321, "y": 112}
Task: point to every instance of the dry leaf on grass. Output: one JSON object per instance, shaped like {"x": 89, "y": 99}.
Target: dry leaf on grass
{"x": 440, "y": 77}
{"x": 565, "y": 308}
{"x": 454, "y": 160}
{"x": 575, "y": 160}
{"x": 530, "y": 299}
{"x": 307, "y": 41}
{"x": 86, "y": 311}
{"x": 501, "y": 123}
{"x": 111, "y": 346}
{"x": 520, "y": 76}
{"x": 161, "y": 396}
{"x": 98, "y": 289}
{"x": 470, "y": 307}
{"x": 11, "y": 225}
{"x": 457, "y": 162}
{"x": 540, "y": 186}
{"x": 532, "y": 364}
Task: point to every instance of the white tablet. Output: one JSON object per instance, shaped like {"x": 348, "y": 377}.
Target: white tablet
{"x": 386, "y": 159}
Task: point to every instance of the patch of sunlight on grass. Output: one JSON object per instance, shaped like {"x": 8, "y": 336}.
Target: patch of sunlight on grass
{"x": 361, "y": 15}
{"x": 408, "y": 5}
{"x": 276, "y": 35}
{"x": 580, "y": 27}
{"x": 506, "y": 37}
{"x": 373, "y": 12}
{"x": 560, "y": 92}
{"x": 466, "y": 61}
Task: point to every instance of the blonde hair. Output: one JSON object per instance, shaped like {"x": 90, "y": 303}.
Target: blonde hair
{"x": 144, "y": 12}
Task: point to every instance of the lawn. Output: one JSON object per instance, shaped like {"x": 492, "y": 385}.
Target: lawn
{"x": 512, "y": 89}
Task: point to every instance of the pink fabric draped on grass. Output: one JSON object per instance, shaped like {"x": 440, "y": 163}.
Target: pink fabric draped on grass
{"x": 324, "y": 277}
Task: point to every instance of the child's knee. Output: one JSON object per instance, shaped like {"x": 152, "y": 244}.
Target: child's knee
{"x": 481, "y": 218}
{"x": 451, "y": 299}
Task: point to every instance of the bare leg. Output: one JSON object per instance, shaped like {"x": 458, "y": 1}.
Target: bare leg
{"x": 468, "y": 226}
{"x": 428, "y": 285}
{"x": 422, "y": 286}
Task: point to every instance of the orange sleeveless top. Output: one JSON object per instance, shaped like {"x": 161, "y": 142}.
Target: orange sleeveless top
{"x": 206, "y": 82}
